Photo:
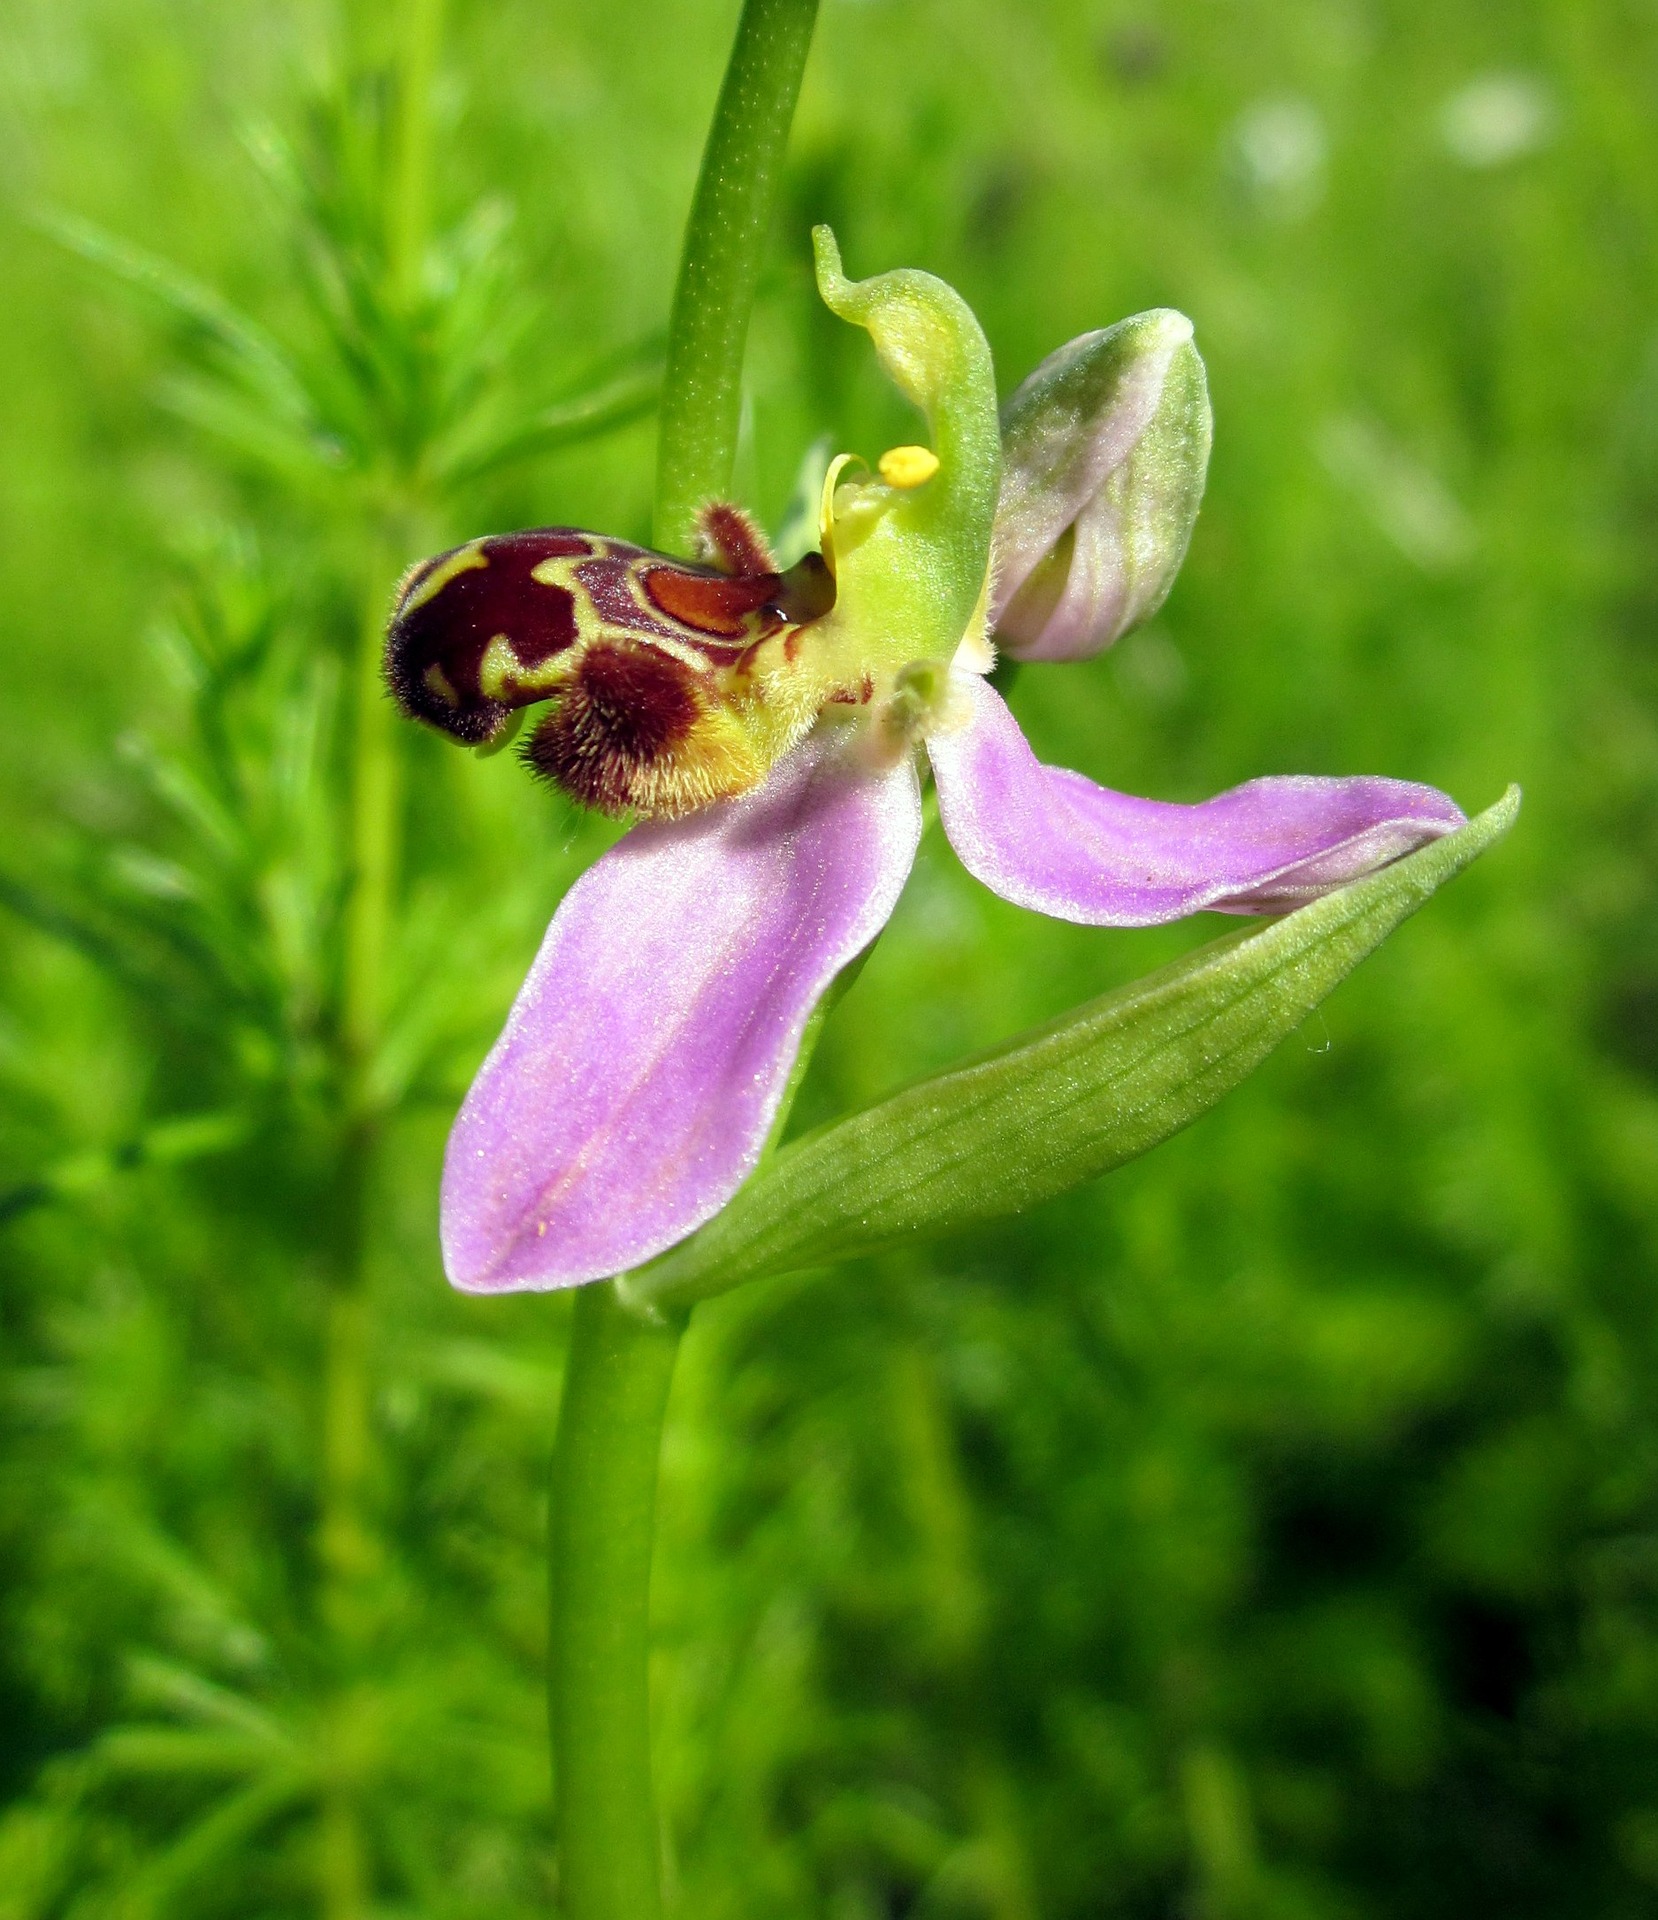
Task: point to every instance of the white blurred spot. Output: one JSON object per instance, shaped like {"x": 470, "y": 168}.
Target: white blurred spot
{"x": 1150, "y": 668}
{"x": 941, "y": 914}
{"x": 1406, "y": 500}
{"x": 1497, "y": 118}
{"x": 1281, "y": 149}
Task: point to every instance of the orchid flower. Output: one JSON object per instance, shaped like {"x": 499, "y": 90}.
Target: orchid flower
{"x": 769, "y": 729}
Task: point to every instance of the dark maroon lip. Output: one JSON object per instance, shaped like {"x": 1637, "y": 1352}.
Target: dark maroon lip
{"x": 630, "y": 598}
{"x": 625, "y": 712}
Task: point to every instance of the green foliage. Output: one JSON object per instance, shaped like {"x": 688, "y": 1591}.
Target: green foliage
{"x": 1267, "y": 1530}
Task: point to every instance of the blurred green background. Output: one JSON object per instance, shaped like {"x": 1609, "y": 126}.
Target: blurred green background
{"x": 1271, "y": 1530}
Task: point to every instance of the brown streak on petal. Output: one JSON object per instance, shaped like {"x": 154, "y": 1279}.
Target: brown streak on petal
{"x": 733, "y": 541}
{"x": 613, "y": 584}
{"x": 708, "y": 602}
{"x": 858, "y": 696}
{"x": 626, "y": 708}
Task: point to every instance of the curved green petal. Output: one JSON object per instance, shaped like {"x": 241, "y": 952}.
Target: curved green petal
{"x": 911, "y": 562}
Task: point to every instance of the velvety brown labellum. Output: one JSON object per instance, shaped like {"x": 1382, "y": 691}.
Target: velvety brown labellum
{"x": 650, "y": 661}
{"x": 450, "y": 608}
{"x": 627, "y": 708}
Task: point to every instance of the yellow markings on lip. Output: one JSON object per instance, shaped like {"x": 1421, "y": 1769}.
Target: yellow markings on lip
{"x": 438, "y": 681}
{"x": 501, "y": 674}
{"x": 680, "y": 650}
{"x": 503, "y": 677}
{"x": 906, "y": 467}
{"x": 559, "y": 569}
{"x": 499, "y": 665}
{"x": 462, "y": 560}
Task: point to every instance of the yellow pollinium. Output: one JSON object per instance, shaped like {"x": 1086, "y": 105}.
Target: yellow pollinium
{"x": 906, "y": 467}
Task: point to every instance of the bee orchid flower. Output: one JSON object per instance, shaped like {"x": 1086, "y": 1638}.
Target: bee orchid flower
{"x": 769, "y": 729}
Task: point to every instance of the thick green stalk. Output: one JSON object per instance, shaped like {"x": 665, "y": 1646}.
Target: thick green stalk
{"x": 719, "y": 271}
{"x": 603, "y": 1525}
{"x": 621, "y": 1363}
{"x": 410, "y": 200}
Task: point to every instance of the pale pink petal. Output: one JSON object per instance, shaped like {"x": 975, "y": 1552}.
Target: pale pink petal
{"x": 1049, "y": 839}
{"x": 644, "y": 1059}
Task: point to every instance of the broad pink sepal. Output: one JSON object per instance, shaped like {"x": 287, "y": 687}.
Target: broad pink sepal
{"x": 641, "y": 1067}
{"x": 1050, "y": 839}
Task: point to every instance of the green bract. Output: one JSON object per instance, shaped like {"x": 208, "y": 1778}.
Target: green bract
{"x": 1094, "y": 1089}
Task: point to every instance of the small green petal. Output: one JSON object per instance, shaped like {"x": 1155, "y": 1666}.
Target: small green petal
{"x": 911, "y": 561}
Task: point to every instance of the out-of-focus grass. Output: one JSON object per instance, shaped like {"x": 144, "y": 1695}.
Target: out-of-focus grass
{"x": 1269, "y": 1531}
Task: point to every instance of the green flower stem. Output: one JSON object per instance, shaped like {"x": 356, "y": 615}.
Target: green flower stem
{"x": 345, "y": 1544}
{"x": 621, "y": 1362}
{"x": 347, "y": 1551}
{"x": 410, "y": 205}
{"x": 375, "y": 815}
{"x": 725, "y": 241}
{"x": 602, "y": 1528}
{"x": 347, "y": 1548}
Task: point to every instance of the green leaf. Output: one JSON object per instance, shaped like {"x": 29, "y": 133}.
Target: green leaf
{"x": 1057, "y": 1106}
{"x": 156, "y": 1888}
{"x": 169, "y": 1143}
{"x": 189, "y": 300}
{"x": 178, "y": 1752}
{"x": 617, "y": 404}
{"x": 297, "y": 454}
